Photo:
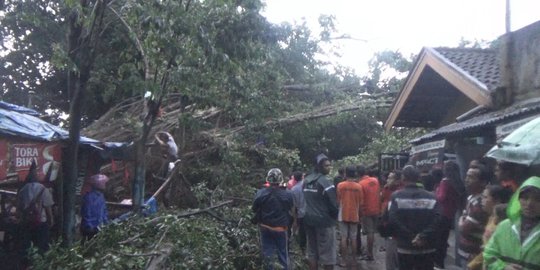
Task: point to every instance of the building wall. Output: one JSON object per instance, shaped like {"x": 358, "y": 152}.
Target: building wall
{"x": 520, "y": 64}
{"x": 463, "y": 104}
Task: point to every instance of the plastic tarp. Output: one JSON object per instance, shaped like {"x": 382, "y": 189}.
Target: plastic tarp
{"x": 522, "y": 146}
{"x": 15, "y": 123}
{"x": 17, "y": 108}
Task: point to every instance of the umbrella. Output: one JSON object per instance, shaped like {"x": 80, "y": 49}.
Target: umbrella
{"x": 522, "y": 146}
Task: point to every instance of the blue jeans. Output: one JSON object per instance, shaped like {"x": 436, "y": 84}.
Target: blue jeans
{"x": 272, "y": 242}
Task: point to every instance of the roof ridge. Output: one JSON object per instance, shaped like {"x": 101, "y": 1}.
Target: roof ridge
{"x": 462, "y": 70}
{"x": 484, "y": 50}
{"x": 481, "y": 64}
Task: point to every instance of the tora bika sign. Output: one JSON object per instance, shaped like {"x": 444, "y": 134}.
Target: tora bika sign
{"x": 17, "y": 157}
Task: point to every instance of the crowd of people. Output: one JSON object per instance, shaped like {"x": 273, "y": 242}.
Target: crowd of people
{"x": 34, "y": 218}
{"x": 495, "y": 216}
{"x": 29, "y": 218}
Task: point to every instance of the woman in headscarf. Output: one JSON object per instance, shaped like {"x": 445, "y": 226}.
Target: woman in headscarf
{"x": 515, "y": 244}
{"x": 93, "y": 209}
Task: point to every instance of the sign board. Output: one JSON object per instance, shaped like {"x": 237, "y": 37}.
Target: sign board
{"x": 428, "y": 146}
{"x": 392, "y": 161}
{"x": 426, "y": 155}
{"x": 18, "y": 157}
{"x": 502, "y": 130}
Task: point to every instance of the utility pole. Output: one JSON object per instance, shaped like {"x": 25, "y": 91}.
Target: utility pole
{"x": 508, "y": 17}
{"x": 30, "y": 96}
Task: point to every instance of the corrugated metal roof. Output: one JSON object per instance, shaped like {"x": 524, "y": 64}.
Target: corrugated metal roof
{"x": 482, "y": 64}
{"x": 484, "y": 120}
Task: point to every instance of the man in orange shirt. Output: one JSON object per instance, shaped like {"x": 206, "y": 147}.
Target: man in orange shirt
{"x": 371, "y": 209}
{"x": 350, "y": 199}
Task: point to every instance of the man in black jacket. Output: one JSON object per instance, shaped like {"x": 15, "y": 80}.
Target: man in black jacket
{"x": 321, "y": 215}
{"x": 272, "y": 206}
{"x": 414, "y": 217}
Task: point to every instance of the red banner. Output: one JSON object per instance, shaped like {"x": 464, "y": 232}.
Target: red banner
{"x": 4, "y": 162}
{"x": 18, "y": 157}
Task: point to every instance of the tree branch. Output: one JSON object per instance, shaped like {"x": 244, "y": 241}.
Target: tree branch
{"x": 190, "y": 213}
{"x": 139, "y": 254}
{"x": 137, "y": 43}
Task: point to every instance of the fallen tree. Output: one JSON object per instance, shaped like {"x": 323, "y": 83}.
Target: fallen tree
{"x": 168, "y": 240}
{"x": 119, "y": 122}
{"x": 204, "y": 149}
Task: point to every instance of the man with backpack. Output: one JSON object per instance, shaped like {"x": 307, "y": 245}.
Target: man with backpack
{"x": 272, "y": 206}
{"x": 34, "y": 208}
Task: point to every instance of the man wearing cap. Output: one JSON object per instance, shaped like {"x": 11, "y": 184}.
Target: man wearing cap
{"x": 272, "y": 206}
{"x": 321, "y": 215}
{"x": 515, "y": 244}
{"x": 93, "y": 209}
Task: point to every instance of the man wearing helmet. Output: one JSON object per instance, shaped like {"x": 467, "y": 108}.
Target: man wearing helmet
{"x": 321, "y": 215}
{"x": 272, "y": 206}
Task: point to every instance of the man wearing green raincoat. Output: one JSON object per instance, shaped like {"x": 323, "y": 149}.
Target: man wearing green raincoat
{"x": 515, "y": 244}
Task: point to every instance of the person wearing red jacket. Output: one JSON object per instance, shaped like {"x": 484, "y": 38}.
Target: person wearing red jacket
{"x": 450, "y": 195}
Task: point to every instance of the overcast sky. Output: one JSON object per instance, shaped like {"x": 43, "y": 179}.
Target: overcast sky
{"x": 405, "y": 25}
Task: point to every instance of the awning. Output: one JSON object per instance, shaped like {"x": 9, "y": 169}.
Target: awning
{"x": 16, "y": 123}
{"x": 485, "y": 120}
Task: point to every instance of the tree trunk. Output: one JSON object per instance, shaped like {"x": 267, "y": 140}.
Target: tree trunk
{"x": 140, "y": 161}
{"x": 138, "y": 179}
{"x": 82, "y": 40}
{"x": 71, "y": 168}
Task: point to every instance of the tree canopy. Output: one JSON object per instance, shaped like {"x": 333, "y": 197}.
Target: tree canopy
{"x": 221, "y": 54}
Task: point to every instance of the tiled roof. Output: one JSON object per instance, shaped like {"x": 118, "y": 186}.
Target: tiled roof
{"x": 516, "y": 111}
{"x": 482, "y": 64}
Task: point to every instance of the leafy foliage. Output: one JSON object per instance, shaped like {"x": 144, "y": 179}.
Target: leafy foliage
{"x": 28, "y": 30}
{"x": 196, "y": 242}
{"x": 395, "y": 141}
{"x": 220, "y": 54}
{"x": 387, "y": 72}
